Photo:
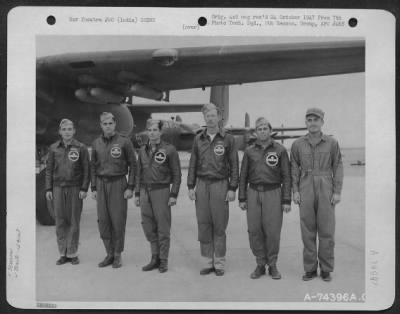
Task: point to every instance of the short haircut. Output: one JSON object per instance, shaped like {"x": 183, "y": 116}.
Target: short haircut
{"x": 208, "y": 107}
{"x": 262, "y": 120}
{"x": 64, "y": 122}
{"x": 106, "y": 115}
{"x": 150, "y": 122}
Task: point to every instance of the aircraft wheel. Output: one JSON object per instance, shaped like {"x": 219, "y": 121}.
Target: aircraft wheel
{"x": 44, "y": 208}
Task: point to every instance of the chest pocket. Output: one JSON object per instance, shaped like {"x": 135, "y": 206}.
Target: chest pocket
{"x": 306, "y": 159}
{"x": 324, "y": 159}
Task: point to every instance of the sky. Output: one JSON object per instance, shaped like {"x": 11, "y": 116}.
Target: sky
{"x": 342, "y": 97}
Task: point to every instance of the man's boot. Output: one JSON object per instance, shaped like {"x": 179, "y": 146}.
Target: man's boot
{"x": 154, "y": 263}
{"x": 163, "y": 266}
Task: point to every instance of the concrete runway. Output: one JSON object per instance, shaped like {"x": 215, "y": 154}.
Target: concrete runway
{"x": 183, "y": 283}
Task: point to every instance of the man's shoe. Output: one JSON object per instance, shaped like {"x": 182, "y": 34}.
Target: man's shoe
{"x": 274, "y": 272}
{"x": 62, "y": 260}
{"x": 163, "y": 266}
{"x": 219, "y": 272}
{"x": 74, "y": 260}
{"x": 309, "y": 275}
{"x": 326, "y": 276}
{"x": 117, "y": 263}
{"x": 206, "y": 271}
{"x": 154, "y": 263}
{"x": 108, "y": 260}
{"x": 258, "y": 272}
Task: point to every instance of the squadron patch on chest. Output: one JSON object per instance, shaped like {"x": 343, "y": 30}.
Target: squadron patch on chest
{"x": 116, "y": 152}
{"x": 272, "y": 159}
{"x": 219, "y": 149}
{"x": 73, "y": 155}
{"x": 160, "y": 157}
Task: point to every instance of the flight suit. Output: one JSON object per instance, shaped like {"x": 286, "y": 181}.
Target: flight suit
{"x": 317, "y": 173}
{"x": 213, "y": 169}
{"x": 156, "y": 171}
{"x": 267, "y": 171}
{"x": 111, "y": 159}
{"x": 67, "y": 174}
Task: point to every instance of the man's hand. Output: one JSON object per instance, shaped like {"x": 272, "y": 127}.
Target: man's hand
{"x": 230, "y": 196}
{"x": 137, "y": 201}
{"x": 49, "y": 195}
{"x": 94, "y": 195}
{"x": 128, "y": 193}
{"x": 82, "y": 195}
{"x": 172, "y": 201}
{"x": 335, "y": 199}
{"x": 286, "y": 208}
{"x": 192, "y": 195}
{"x": 296, "y": 198}
{"x": 243, "y": 205}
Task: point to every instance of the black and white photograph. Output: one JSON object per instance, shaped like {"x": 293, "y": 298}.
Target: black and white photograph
{"x": 222, "y": 170}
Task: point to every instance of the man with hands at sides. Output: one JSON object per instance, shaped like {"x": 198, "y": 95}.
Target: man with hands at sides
{"x": 317, "y": 179}
{"x": 158, "y": 168}
{"x": 214, "y": 171}
{"x": 264, "y": 192}
{"x": 112, "y": 156}
{"x": 67, "y": 182}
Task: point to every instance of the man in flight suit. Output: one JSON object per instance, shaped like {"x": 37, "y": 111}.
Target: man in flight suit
{"x": 112, "y": 157}
{"x": 214, "y": 171}
{"x": 266, "y": 168}
{"x": 67, "y": 182}
{"x": 158, "y": 167}
{"x": 317, "y": 178}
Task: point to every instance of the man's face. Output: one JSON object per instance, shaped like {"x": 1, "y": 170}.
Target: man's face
{"x": 108, "y": 126}
{"x": 314, "y": 124}
{"x": 154, "y": 133}
{"x": 211, "y": 118}
{"x": 263, "y": 132}
{"x": 67, "y": 131}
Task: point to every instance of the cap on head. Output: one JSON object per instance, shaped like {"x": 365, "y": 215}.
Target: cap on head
{"x": 106, "y": 115}
{"x": 208, "y": 107}
{"x": 262, "y": 120}
{"x": 151, "y": 122}
{"x": 315, "y": 112}
{"x": 64, "y": 122}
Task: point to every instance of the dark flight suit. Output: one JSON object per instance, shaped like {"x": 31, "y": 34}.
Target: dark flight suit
{"x": 111, "y": 158}
{"x": 155, "y": 173}
{"x": 317, "y": 173}
{"x": 67, "y": 174}
{"x": 213, "y": 169}
{"x": 267, "y": 171}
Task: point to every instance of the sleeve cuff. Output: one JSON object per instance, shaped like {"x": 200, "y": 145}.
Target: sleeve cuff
{"x": 93, "y": 188}
{"x": 191, "y": 186}
{"x": 241, "y": 200}
{"x": 84, "y": 189}
{"x": 232, "y": 188}
{"x": 287, "y": 202}
{"x": 130, "y": 187}
{"x": 49, "y": 190}
{"x": 174, "y": 195}
{"x": 137, "y": 194}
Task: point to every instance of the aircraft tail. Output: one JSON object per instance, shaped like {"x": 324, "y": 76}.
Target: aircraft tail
{"x": 219, "y": 96}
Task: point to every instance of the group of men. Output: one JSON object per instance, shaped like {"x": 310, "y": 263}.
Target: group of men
{"x": 267, "y": 179}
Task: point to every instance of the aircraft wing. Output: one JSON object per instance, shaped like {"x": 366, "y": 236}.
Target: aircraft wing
{"x": 150, "y": 73}
{"x": 169, "y": 107}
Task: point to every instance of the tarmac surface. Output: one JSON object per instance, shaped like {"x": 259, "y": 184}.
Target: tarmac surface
{"x": 182, "y": 283}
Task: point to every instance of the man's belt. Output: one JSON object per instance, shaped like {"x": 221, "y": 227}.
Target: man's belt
{"x": 265, "y": 187}
{"x": 111, "y": 178}
{"x": 211, "y": 180}
{"x": 154, "y": 186}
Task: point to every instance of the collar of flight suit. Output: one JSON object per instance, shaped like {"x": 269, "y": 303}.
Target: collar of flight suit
{"x": 220, "y": 131}
{"x": 323, "y": 138}
{"x": 109, "y": 139}
{"x": 271, "y": 143}
{"x": 158, "y": 145}
{"x": 74, "y": 142}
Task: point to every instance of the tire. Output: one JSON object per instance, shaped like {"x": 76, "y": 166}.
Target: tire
{"x": 44, "y": 208}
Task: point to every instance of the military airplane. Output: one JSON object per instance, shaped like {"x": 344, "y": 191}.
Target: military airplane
{"x": 80, "y": 86}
